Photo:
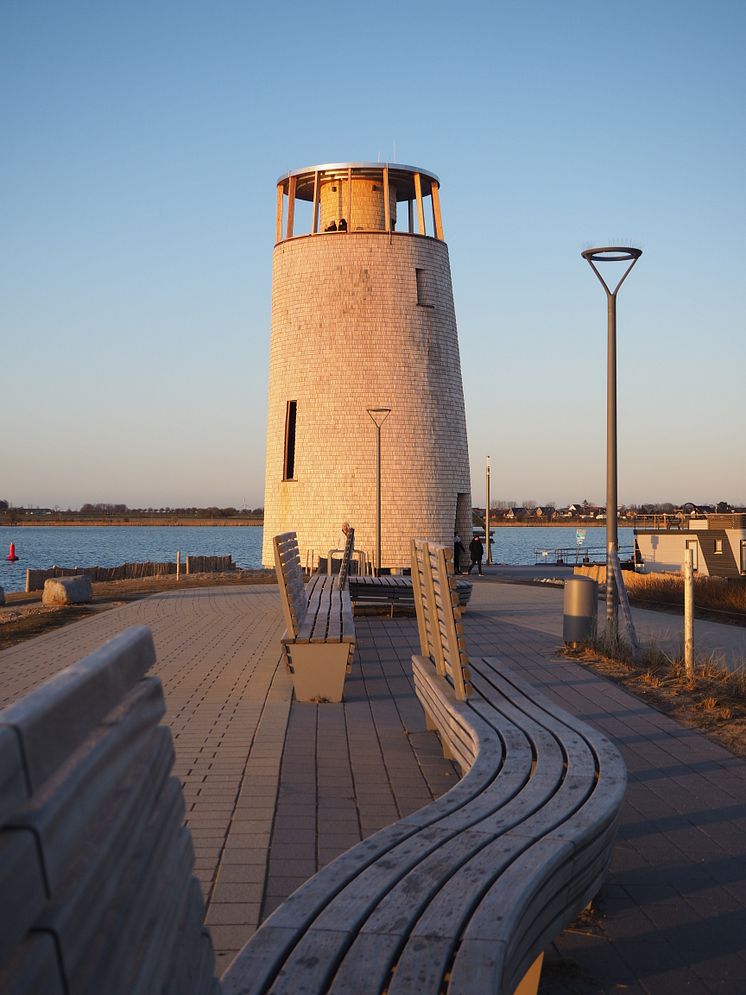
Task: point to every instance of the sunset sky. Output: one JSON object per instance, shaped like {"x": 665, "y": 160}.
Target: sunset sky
{"x": 141, "y": 145}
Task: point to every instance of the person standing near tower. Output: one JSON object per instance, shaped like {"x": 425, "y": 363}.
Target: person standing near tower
{"x": 458, "y": 550}
{"x": 476, "y": 551}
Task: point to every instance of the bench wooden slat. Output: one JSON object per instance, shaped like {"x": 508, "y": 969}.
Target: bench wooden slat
{"x": 55, "y": 718}
{"x": 33, "y": 968}
{"x": 14, "y": 788}
{"x": 67, "y": 816}
{"x": 82, "y": 900}
{"x": 22, "y": 887}
{"x": 106, "y": 821}
{"x": 290, "y": 581}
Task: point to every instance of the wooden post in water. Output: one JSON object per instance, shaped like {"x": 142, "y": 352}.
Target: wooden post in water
{"x": 689, "y": 612}
{"x": 178, "y": 564}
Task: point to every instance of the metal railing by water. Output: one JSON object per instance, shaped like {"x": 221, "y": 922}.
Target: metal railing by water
{"x": 576, "y": 556}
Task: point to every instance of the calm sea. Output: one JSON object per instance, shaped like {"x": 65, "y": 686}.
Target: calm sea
{"x": 108, "y": 546}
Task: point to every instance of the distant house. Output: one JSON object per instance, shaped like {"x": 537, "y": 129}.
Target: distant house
{"x": 718, "y": 542}
{"x": 516, "y": 514}
{"x": 546, "y": 513}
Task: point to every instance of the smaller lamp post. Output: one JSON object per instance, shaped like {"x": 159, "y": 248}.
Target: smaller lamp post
{"x": 611, "y": 254}
{"x": 378, "y": 416}
{"x": 487, "y": 516}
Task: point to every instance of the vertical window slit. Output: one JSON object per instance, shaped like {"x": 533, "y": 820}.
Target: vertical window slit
{"x": 288, "y": 470}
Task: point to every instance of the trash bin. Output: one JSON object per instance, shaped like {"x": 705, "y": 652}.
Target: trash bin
{"x": 580, "y": 610}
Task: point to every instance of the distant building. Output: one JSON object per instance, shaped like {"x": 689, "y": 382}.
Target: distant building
{"x": 718, "y": 541}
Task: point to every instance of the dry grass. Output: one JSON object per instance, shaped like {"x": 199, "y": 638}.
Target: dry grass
{"x": 713, "y": 699}
{"x": 714, "y": 593}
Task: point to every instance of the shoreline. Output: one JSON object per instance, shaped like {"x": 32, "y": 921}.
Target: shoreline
{"x": 48, "y": 522}
{"x": 126, "y": 521}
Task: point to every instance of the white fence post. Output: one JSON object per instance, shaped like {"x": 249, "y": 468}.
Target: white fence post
{"x": 689, "y": 612}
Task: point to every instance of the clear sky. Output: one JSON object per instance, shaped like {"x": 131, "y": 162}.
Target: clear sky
{"x": 141, "y": 142}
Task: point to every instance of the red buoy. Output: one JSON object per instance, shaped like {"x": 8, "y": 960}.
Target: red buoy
{"x": 12, "y": 553}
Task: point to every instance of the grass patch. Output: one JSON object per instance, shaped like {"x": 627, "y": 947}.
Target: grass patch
{"x": 713, "y": 593}
{"x": 725, "y": 596}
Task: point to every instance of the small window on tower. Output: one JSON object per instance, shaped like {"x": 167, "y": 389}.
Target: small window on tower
{"x": 423, "y": 297}
{"x": 288, "y": 470}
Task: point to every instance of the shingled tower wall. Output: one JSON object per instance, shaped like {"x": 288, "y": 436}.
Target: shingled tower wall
{"x": 363, "y": 318}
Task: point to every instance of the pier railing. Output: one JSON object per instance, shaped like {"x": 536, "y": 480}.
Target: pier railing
{"x": 578, "y": 555}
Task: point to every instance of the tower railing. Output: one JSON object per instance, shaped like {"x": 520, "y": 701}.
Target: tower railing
{"x": 343, "y": 197}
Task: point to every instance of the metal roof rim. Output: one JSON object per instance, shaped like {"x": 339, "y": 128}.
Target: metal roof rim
{"x": 359, "y": 165}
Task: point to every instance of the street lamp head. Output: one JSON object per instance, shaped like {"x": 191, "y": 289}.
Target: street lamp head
{"x": 612, "y": 254}
{"x": 379, "y": 415}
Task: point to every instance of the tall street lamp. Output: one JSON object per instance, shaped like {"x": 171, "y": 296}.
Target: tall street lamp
{"x": 378, "y": 416}
{"x": 611, "y": 254}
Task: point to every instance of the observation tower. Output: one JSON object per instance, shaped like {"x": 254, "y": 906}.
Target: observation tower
{"x": 363, "y": 318}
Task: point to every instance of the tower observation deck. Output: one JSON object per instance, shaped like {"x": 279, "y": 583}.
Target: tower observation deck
{"x": 363, "y": 318}
{"x": 365, "y": 195}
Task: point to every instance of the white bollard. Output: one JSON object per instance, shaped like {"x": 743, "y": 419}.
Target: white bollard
{"x": 178, "y": 564}
{"x": 689, "y": 612}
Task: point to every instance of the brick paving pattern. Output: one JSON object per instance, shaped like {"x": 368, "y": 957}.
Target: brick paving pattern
{"x": 227, "y": 699}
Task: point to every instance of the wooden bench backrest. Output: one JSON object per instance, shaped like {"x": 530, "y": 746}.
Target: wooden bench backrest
{"x": 96, "y": 886}
{"x": 290, "y": 580}
{"x": 344, "y": 568}
{"x": 439, "y": 614}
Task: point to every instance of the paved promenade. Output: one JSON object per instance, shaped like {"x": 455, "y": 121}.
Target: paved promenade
{"x": 724, "y": 644}
{"x": 275, "y": 789}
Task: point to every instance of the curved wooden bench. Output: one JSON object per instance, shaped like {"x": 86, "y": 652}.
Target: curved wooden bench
{"x": 464, "y": 895}
{"x": 96, "y": 887}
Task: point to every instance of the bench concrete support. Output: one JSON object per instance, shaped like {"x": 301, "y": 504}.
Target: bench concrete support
{"x": 529, "y": 984}
{"x": 319, "y": 669}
